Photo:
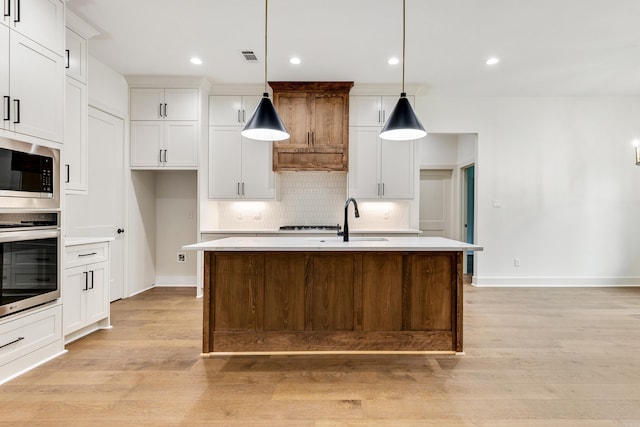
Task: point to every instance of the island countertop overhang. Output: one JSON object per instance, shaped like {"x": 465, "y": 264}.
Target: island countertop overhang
{"x": 332, "y": 244}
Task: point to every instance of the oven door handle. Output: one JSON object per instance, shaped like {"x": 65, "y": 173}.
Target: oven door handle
{"x": 19, "y": 236}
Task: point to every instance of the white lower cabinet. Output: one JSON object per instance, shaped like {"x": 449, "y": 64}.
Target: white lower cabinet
{"x": 85, "y": 293}
{"x": 29, "y": 338}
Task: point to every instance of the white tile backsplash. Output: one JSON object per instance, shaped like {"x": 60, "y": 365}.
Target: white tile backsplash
{"x": 311, "y": 198}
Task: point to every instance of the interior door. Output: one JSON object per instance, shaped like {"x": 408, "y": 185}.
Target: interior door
{"x": 436, "y": 203}
{"x": 101, "y": 211}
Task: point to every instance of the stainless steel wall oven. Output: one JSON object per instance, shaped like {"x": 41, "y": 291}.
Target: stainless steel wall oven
{"x": 29, "y": 225}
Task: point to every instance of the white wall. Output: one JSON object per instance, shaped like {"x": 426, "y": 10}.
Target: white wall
{"x": 175, "y": 213}
{"x": 108, "y": 90}
{"x": 142, "y": 231}
{"x": 562, "y": 172}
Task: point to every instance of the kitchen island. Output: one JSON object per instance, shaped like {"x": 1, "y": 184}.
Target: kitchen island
{"x": 320, "y": 294}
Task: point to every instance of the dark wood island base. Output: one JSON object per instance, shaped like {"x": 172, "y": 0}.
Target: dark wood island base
{"x": 332, "y": 301}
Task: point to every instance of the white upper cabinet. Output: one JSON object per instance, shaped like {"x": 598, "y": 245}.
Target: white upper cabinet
{"x": 39, "y": 20}
{"x": 32, "y": 69}
{"x": 231, "y": 110}
{"x": 239, "y": 168}
{"x": 165, "y": 128}
{"x": 164, "y": 104}
{"x": 380, "y": 169}
{"x": 372, "y": 110}
{"x": 36, "y": 90}
{"x": 76, "y": 56}
{"x": 75, "y": 153}
{"x": 157, "y": 144}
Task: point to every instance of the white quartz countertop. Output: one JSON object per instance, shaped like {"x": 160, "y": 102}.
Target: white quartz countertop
{"x": 332, "y": 243}
{"x": 74, "y": 241}
{"x": 398, "y": 231}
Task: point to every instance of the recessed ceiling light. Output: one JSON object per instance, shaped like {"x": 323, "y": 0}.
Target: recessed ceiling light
{"x": 393, "y": 61}
{"x": 295, "y": 60}
{"x": 492, "y": 61}
{"x": 196, "y": 61}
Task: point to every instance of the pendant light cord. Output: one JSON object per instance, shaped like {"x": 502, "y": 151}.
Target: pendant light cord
{"x": 403, "y": 40}
{"x": 266, "y": 14}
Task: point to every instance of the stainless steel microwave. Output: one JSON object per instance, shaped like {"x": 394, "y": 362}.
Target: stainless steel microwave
{"x": 29, "y": 175}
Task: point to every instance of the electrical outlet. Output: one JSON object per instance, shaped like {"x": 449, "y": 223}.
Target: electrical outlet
{"x": 516, "y": 262}
{"x": 182, "y": 258}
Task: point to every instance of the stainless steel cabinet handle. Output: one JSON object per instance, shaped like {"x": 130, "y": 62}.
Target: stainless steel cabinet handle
{"x": 160, "y": 111}
{"x": 239, "y": 117}
{"x": 383, "y": 188}
{"x": 7, "y": 12}
{"x": 378, "y": 189}
{"x": 12, "y": 342}
{"x": 16, "y": 17}
{"x": 308, "y": 138}
{"x": 165, "y": 156}
{"x": 379, "y": 115}
{"x": 313, "y": 138}
{"x": 160, "y": 159}
{"x": 16, "y": 106}
{"x": 384, "y": 116}
{"x": 243, "y": 188}
{"x": 238, "y": 189}
{"x": 7, "y": 108}
{"x": 243, "y": 116}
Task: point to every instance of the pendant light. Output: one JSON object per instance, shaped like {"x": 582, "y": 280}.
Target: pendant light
{"x": 403, "y": 124}
{"x": 264, "y": 124}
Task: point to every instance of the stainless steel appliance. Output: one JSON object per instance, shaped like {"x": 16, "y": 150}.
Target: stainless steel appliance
{"x": 29, "y": 260}
{"x": 29, "y": 176}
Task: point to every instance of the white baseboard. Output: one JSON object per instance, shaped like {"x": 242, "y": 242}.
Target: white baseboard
{"x": 186, "y": 281}
{"x": 555, "y": 282}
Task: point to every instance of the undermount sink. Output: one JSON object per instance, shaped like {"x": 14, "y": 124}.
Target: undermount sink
{"x": 351, "y": 239}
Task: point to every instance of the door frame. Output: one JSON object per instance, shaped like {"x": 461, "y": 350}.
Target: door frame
{"x": 464, "y": 211}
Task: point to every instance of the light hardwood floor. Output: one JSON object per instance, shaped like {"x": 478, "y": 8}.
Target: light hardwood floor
{"x": 534, "y": 357}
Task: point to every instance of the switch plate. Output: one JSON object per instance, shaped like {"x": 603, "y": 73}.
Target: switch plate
{"x": 182, "y": 258}
{"x": 516, "y": 262}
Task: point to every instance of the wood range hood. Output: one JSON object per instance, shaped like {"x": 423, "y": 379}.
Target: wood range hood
{"x": 316, "y": 114}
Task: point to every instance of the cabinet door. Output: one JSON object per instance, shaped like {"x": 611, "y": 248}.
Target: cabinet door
{"x": 328, "y": 122}
{"x": 147, "y": 104}
{"x": 224, "y": 162}
{"x": 37, "y": 87}
{"x": 231, "y": 110}
{"x": 364, "y": 165}
{"x": 75, "y": 152}
{"x": 388, "y": 103}
{"x": 225, "y": 110}
{"x": 4, "y": 77}
{"x": 257, "y": 174}
{"x": 294, "y": 111}
{"x": 181, "y": 144}
{"x": 146, "y": 140}
{"x": 398, "y": 169}
{"x": 181, "y": 104}
{"x": 97, "y": 296}
{"x": 40, "y": 20}
{"x": 365, "y": 111}
{"x": 73, "y": 294}
{"x": 76, "y": 56}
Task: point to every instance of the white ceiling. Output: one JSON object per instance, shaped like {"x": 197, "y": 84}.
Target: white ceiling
{"x": 547, "y": 47}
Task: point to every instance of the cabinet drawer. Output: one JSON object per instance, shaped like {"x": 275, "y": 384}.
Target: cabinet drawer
{"x": 29, "y": 332}
{"x": 85, "y": 254}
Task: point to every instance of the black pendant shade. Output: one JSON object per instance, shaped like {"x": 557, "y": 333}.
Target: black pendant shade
{"x": 402, "y": 124}
{"x": 265, "y": 125}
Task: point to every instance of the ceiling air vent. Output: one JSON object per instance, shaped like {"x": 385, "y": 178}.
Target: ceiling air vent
{"x": 249, "y": 56}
